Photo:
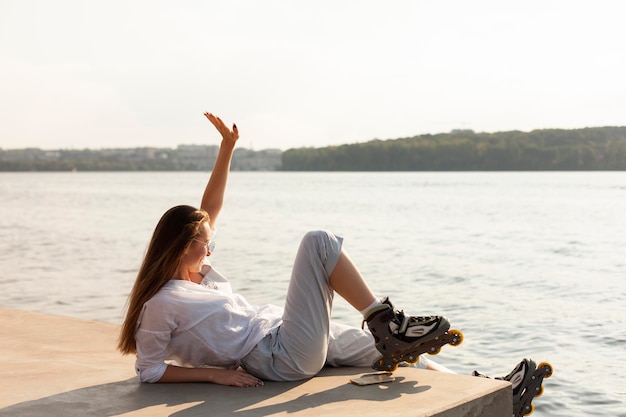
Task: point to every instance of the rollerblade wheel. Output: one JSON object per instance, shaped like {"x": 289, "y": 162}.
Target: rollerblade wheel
{"x": 434, "y": 350}
{"x": 528, "y": 410}
{"x": 547, "y": 367}
{"x": 390, "y": 367}
{"x": 539, "y": 391}
{"x": 458, "y": 337}
{"x": 412, "y": 359}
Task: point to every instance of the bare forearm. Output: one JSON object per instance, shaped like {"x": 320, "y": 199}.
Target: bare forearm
{"x": 213, "y": 375}
{"x": 213, "y": 197}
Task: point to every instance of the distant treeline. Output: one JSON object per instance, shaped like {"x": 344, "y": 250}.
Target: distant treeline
{"x": 602, "y": 148}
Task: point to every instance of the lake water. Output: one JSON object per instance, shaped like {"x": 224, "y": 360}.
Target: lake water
{"x": 525, "y": 264}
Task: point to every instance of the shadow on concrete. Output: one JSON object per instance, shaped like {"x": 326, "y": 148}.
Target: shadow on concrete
{"x": 191, "y": 400}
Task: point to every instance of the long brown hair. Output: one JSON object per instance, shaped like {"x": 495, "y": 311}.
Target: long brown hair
{"x": 172, "y": 235}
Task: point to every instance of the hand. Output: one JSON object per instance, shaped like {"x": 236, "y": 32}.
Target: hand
{"x": 229, "y": 136}
{"x": 236, "y": 378}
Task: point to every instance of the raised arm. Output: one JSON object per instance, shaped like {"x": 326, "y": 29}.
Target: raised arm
{"x": 213, "y": 197}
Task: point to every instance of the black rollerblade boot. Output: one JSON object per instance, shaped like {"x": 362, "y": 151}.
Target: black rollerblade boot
{"x": 526, "y": 380}
{"x": 400, "y": 338}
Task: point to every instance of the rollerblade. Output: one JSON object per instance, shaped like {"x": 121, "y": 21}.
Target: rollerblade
{"x": 401, "y": 338}
{"x": 526, "y": 380}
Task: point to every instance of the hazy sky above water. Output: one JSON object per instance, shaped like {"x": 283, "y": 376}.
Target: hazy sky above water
{"x": 102, "y": 74}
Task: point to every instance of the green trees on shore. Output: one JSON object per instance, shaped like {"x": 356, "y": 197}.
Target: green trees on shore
{"x": 601, "y": 148}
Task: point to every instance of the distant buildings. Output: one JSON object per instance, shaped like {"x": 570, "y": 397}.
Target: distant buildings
{"x": 184, "y": 157}
{"x": 264, "y": 160}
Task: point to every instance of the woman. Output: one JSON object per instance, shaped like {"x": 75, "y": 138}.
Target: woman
{"x": 186, "y": 325}
{"x": 183, "y": 311}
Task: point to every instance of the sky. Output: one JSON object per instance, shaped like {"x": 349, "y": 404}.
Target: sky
{"x": 78, "y": 74}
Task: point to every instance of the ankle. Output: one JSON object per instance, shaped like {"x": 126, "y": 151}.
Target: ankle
{"x": 374, "y": 307}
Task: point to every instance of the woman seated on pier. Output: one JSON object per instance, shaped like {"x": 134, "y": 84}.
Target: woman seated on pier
{"x": 185, "y": 324}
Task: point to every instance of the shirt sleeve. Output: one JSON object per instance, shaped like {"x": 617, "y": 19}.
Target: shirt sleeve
{"x": 152, "y": 339}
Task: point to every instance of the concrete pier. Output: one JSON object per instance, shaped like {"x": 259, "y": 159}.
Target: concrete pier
{"x": 58, "y": 366}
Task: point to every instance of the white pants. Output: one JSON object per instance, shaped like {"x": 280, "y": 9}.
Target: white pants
{"x": 307, "y": 340}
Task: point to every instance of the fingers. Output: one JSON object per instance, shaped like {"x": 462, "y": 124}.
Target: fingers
{"x": 217, "y": 122}
{"x": 249, "y": 381}
{"x": 258, "y": 384}
{"x": 236, "y": 378}
{"x": 221, "y": 126}
{"x": 214, "y": 119}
